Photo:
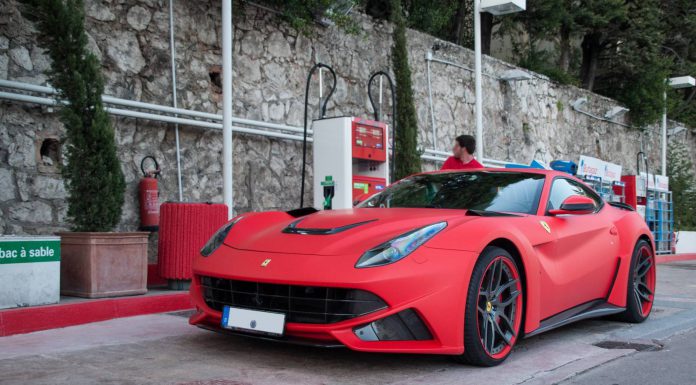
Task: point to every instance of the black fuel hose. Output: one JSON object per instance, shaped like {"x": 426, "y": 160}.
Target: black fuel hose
{"x": 322, "y": 109}
{"x": 378, "y": 112}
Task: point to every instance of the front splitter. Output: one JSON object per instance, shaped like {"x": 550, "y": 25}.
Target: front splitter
{"x": 283, "y": 340}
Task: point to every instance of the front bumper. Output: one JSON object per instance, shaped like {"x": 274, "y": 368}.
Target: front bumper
{"x": 431, "y": 282}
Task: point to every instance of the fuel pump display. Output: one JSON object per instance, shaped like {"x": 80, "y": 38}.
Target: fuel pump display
{"x": 368, "y": 142}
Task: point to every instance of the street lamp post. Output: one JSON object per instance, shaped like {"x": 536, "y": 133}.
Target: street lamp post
{"x": 676, "y": 83}
{"x": 496, "y": 7}
{"x": 227, "y": 174}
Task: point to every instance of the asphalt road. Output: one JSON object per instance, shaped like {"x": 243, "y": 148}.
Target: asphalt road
{"x": 674, "y": 364}
{"x": 164, "y": 349}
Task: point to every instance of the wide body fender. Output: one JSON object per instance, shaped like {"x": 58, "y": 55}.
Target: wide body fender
{"x": 630, "y": 228}
{"x": 526, "y": 234}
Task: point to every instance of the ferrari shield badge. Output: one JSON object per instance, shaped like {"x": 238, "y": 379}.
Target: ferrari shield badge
{"x": 266, "y": 262}
{"x": 545, "y": 226}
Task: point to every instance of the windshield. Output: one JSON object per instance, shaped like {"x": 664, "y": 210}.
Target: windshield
{"x": 513, "y": 192}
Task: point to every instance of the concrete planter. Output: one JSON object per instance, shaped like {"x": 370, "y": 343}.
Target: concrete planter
{"x": 686, "y": 242}
{"x": 29, "y": 271}
{"x": 97, "y": 265}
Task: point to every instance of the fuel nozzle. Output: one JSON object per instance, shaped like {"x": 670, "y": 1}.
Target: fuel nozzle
{"x": 329, "y": 191}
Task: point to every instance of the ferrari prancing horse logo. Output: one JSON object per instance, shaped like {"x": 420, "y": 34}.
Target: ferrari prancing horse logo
{"x": 266, "y": 262}
{"x": 545, "y": 226}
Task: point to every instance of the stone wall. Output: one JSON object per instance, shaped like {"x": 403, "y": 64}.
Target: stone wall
{"x": 523, "y": 120}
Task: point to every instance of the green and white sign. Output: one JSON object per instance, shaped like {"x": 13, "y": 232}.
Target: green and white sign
{"x": 29, "y": 271}
{"x": 29, "y": 250}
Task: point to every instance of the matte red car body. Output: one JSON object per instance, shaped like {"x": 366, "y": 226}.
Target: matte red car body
{"x": 579, "y": 259}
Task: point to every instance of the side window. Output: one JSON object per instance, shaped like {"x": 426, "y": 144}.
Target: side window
{"x": 563, "y": 188}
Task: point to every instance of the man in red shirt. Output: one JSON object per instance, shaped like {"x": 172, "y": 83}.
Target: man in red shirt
{"x": 463, "y": 158}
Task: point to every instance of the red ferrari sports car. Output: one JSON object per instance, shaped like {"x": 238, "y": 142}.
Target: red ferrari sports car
{"x": 462, "y": 263}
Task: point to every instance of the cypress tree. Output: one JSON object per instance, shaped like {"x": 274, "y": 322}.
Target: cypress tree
{"x": 407, "y": 156}
{"x": 93, "y": 175}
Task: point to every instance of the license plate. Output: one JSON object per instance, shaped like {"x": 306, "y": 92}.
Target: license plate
{"x": 253, "y": 321}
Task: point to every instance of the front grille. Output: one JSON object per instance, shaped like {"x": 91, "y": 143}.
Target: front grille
{"x": 301, "y": 304}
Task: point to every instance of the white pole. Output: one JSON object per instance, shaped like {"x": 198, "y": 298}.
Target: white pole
{"x": 379, "y": 111}
{"x": 428, "y": 58}
{"x": 664, "y": 136}
{"x": 321, "y": 83}
{"x": 478, "y": 112}
{"x": 176, "y": 126}
{"x": 380, "y": 90}
{"x": 227, "y": 106}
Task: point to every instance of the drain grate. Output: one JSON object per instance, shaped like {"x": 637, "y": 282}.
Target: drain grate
{"x": 641, "y": 346}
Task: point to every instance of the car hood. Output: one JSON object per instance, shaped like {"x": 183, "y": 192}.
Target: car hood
{"x": 334, "y": 232}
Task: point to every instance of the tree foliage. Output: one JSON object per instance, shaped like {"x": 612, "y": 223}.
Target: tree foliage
{"x": 93, "y": 175}
{"x": 407, "y": 160}
{"x": 302, "y": 14}
{"x": 617, "y": 48}
{"x": 632, "y": 67}
{"x": 682, "y": 183}
{"x": 679, "y": 46}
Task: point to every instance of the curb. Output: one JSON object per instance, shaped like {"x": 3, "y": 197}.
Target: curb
{"x": 675, "y": 257}
{"x": 36, "y": 318}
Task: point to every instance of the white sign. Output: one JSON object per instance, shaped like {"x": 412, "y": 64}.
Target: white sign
{"x": 661, "y": 183}
{"x": 589, "y": 166}
{"x": 612, "y": 172}
{"x": 651, "y": 181}
{"x": 597, "y": 168}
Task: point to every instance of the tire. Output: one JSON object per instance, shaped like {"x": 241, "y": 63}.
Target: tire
{"x": 640, "y": 292}
{"x": 494, "y": 305}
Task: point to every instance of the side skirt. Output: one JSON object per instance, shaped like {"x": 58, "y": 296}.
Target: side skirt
{"x": 592, "y": 309}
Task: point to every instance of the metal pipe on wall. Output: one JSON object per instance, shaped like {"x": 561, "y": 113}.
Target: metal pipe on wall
{"x": 478, "y": 106}
{"x": 172, "y": 51}
{"x": 429, "y": 154}
{"x": 428, "y": 59}
{"x": 155, "y": 117}
{"x": 227, "y": 147}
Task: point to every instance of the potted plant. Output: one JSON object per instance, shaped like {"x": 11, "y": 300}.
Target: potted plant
{"x": 96, "y": 262}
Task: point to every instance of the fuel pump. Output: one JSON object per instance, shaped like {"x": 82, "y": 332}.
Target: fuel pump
{"x": 350, "y": 155}
{"x": 352, "y": 152}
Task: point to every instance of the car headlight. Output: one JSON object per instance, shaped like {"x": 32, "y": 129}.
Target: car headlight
{"x": 399, "y": 247}
{"x": 216, "y": 240}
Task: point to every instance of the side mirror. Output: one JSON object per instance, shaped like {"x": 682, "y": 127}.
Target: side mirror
{"x": 576, "y": 205}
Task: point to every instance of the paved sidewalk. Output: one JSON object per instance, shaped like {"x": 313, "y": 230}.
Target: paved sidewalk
{"x": 164, "y": 349}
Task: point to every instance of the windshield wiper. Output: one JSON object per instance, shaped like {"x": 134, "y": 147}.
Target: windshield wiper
{"x": 487, "y": 213}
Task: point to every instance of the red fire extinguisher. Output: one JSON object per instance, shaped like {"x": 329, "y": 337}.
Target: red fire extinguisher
{"x": 149, "y": 197}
